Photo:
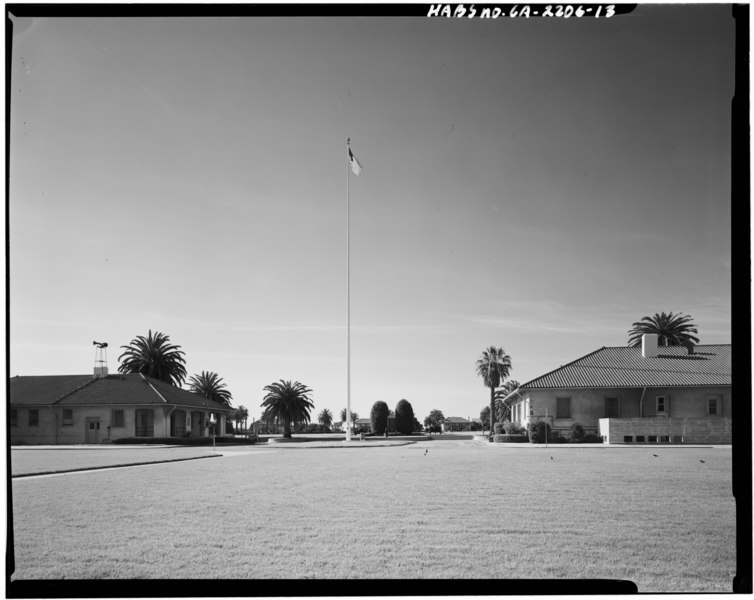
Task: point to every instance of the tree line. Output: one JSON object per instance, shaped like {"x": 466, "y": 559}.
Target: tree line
{"x": 289, "y": 402}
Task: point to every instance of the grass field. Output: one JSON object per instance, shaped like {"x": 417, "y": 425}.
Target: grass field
{"x": 29, "y": 460}
{"x": 463, "y": 510}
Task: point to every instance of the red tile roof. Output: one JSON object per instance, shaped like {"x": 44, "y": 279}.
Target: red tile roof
{"x": 70, "y": 390}
{"x": 611, "y": 367}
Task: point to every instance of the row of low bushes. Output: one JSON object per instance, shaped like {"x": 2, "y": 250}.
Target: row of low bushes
{"x": 504, "y": 438}
{"x": 541, "y": 432}
{"x": 188, "y": 441}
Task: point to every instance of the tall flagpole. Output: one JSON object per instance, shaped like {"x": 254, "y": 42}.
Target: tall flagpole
{"x": 348, "y": 291}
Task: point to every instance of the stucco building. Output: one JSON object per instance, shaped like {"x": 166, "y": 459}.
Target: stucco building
{"x": 101, "y": 408}
{"x": 647, "y": 394}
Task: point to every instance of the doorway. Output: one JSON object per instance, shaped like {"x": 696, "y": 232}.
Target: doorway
{"x": 92, "y": 430}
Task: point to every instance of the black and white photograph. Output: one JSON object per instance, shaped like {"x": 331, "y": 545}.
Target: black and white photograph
{"x": 328, "y": 299}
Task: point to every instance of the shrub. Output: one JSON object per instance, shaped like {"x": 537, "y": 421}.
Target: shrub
{"x": 537, "y": 432}
{"x": 554, "y": 437}
{"x": 378, "y": 417}
{"x": 510, "y": 439}
{"x": 577, "y": 432}
{"x": 404, "y": 417}
{"x": 514, "y": 428}
{"x": 500, "y": 428}
{"x": 188, "y": 441}
{"x": 591, "y": 438}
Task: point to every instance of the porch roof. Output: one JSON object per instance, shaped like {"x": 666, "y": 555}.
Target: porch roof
{"x": 611, "y": 367}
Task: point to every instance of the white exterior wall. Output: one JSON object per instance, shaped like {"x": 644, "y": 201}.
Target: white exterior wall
{"x": 588, "y": 405}
{"x": 51, "y": 430}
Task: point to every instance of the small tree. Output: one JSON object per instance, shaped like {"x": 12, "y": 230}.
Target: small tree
{"x": 484, "y": 415}
{"x": 404, "y": 417}
{"x": 378, "y": 417}
{"x": 325, "y": 419}
{"x": 435, "y": 420}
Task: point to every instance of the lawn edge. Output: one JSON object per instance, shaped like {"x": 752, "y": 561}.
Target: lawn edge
{"x": 116, "y": 466}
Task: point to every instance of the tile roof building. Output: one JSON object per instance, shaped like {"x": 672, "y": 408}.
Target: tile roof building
{"x": 79, "y": 409}
{"x": 646, "y": 394}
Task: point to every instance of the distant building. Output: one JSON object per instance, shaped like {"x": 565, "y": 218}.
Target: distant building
{"x": 456, "y": 424}
{"x": 647, "y": 394}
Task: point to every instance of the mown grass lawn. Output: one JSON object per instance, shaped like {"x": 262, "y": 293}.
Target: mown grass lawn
{"x": 464, "y": 510}
{"x": 29, "y": 460}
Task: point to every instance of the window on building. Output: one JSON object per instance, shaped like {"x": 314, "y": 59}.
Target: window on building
{"x": 628, "y": 438}
{"x": 13, "y": 417}
{"x": 712, "y": 409}
{"x": 640, "y": 438}
{"x": 563, "y": 408}
{"x": 652, "y": 438}
{"x": 118, "y": 418}
{"x": 612, "y": 408}
{"x": 33, "y": 417}
{"x": 661, "y": 404}
{"x": 67, "y": 416}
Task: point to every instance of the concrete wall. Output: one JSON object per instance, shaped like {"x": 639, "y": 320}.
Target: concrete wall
{"x": 588, "y": 405}
{"x": 683, "y": 430}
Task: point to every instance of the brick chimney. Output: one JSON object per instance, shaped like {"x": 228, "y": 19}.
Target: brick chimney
{"x": 649, "y": 345}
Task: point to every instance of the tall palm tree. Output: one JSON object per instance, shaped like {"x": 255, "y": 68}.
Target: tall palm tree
{"x": 671, "y": 329}
{"x": 287, "y": 403}
{"x": 493, "y": 367}
{"x": 211, "y": 386}
{"x": 344, "y": 414}
{"x": 156, "y": 357}
{"x": 503, "y": 410}
{"x": 325, "y": 418}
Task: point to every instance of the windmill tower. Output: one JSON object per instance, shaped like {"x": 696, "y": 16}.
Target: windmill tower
{"x": 100, "y": 360}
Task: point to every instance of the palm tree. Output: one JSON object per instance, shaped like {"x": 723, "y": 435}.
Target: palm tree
{"x": 344, "y": 414}
{"x": 156, "y": 357}
{"x": 493, "y": 367}
{"x": 287, "y": 403}
{"x": 671, "y": 329}
{"x": 240, "y": 416}
{"x": 500, "y": 394}
{"x": 325, "y": 418}
{"x": 211, "y": 386}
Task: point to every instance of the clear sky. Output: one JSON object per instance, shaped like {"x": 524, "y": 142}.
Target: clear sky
{"x": 536, "y": 185}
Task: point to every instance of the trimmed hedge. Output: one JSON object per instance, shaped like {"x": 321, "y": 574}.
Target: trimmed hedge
{"x": 188, "y": 441}
{"x": 379, "y": 417}
{"x": 404, "y": 417}
{"x": 504, "y": 438}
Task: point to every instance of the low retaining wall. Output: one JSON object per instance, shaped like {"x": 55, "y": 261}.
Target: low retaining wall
{"x": 662, "y": 430}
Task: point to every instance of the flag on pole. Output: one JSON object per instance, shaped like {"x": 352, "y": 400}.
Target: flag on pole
{"x": 355, "y": 164}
